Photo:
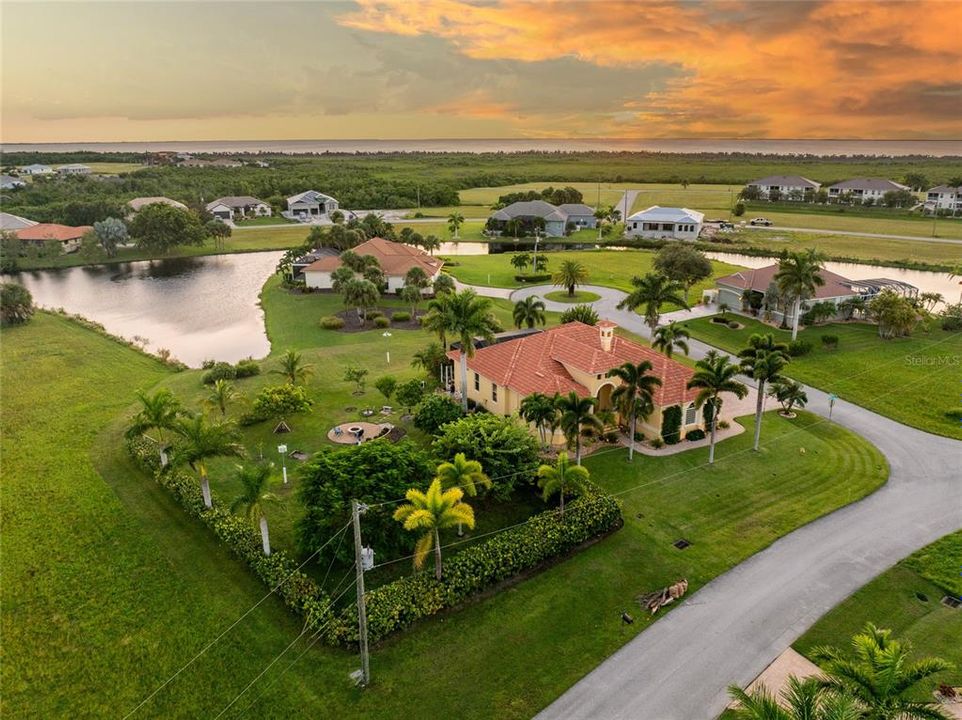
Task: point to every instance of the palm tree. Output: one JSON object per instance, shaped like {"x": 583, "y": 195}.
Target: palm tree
{"x": 542, "y": 411}
{"x": 570, "y": 275}
{"x": 669, "y": 338}
{"x": 222, "y": 394}
{"x": 429, "y": 513}
{"x": 465, "y": 474}
{"x": 880, "y": 676}
{"x": 431, "y": 243}
{"x": 429, "y": 359}
{"x": 577, "y": 419}
{"x": 439, "y": 317}
{"x": 653, "y": 291}
{"x": 455, "y": 221}
{"x": 159, "y": 412}
{"x": 520, "y": 261}
{"x": 560, "y": 478}
{"x": 293, "y": 367}
{"x": 529, "y": 311}
{"x": 713, "y": 376}
{"x": 412, "y": 295}
{"x": 361, "y": 295}
{"x": 203, "y": 440}
{"x": 602, "y": 214}
{"x": 341, "y": 277}
{"x": 471, "y": 318}
{"x": 798, "y": 276}
{"x": 255, "y": 479}
{"x": 802, "y": 700}
{"x": 788, "y": 393}
{"x": 763, "y": 360}
{"x": 635, "y": 395}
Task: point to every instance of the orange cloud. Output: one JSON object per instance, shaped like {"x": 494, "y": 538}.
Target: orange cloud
{"x": 779, "y": 69}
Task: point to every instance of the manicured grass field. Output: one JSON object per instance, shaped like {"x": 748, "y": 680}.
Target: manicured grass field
{"x": 580, "y": 296}
{"x": 913, "y": 380}
{"x": 113, "y": 168}
{"x": 904, "y": 224}
{"x": 265, "y": 220}
{"x": 892, "y": 601}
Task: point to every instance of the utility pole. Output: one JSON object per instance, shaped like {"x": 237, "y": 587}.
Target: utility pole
{"x": 356, "y": 510}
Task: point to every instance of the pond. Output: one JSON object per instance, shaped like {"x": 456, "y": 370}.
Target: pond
{"x": 196, "y": 308}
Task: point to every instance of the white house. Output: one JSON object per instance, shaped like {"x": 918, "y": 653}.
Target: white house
{"x": 9, "y": 182}
{"x": 238, "y": 207}
{"x": 944, "y": 197}
{"x": 36, "y": 169}
{"x": 311, "y": 206}
{"x": 665, "y": 223}
{"x": 786, "y": 187}
{"x": 74, "y": 169}
{"x": 395, "y": 259}
{"x": 859, "y": 190}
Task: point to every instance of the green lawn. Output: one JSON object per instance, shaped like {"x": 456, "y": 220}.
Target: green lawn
{"x": 580, "y": 296}
{"x": 854, "y": 221}
{"x": 265, "y": 220}
{"x": 114, "y": 168}
{"x": 912, "y": 380}
{"x": 127, "y": 581}
{"x": 892, "y": 601}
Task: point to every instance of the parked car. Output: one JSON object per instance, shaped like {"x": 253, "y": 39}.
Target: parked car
{"x": 760, "y": 221}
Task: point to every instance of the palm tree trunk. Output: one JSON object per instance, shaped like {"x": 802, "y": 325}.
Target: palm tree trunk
{"x": 464, "y": 379}
{"x": 759, "y": 403}
{"x": 562, "y": 495}
{"x": 437, "y": 554}
{"x": 711, "y": 442}
{"x": 631, "y": 440}
{"x": 571, "y": 290}
{"x": 577, "y": 450}
{"x": 205, "y": 487}
{"x": 265, "y": 536}
{"x": 796, "y": 309}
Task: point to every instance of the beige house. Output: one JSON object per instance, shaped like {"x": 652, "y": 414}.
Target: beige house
{"x": 573, "y": 357}
{"x": 395, "y": 259}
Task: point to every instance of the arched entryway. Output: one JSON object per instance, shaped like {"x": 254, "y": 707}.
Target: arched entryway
{"x": 604, "y": 397}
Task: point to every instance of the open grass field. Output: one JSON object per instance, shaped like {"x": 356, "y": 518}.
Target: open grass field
{"x": 892, "y": 600}
{"x": 105, "y": 609}
{"x": 913, "y": 380}
{"x": 265, "y": 220}
{"x": 853, "y": 221}
{"x": 113, "y": 168}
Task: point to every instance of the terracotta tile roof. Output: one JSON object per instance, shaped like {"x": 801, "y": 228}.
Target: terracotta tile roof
{"x": 394, "y": 258}
{"x": 541, "y": 362}
{"x": 52, "y": 231}
{"x": 760, "y": 278}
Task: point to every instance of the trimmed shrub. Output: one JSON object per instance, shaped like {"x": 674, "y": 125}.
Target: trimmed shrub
{"x": 696, "y": 434}
{"x": 830, "y": 342}
{"x": 657, "y": 443}
{"x": 247, "y": 368}
{"x": 382, "y": 322}
{"x": 954, "y": 414}
{"x": 219, "y": 371}
{"x": 539, "y": 278}
{"x": 435, "y": 411}
{"x": 374, "y": 314}
{"x": 723, "y": 424}
{"x": 797, "y": 348}
{"x": 639, "y": 436}
{"x": 277, "y": 402}
{"x": 719, "y": 320}
{"x": 671, "y": 424}
{"x": 734, "y": 324}
{"x": 401, "y": 316}
{"x": 332, "y": 322}
{"x": 952, "y": 318}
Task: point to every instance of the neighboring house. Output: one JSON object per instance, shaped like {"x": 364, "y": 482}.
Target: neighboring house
{"x": 665, "y": 223}
{"x": 944, "y": 197}
{"x": 9, "y": 182}
{"x": 238, "y": 207}
{"x": 394, "y": 258}
{"x": 226, "y": 163}
{"x": 36, "y": 170}
{"x": 539, "y": 214}
{"x": 190, "y": 162}
{"x": 137, "y": 204}
{"x": 68, "y": 237}
{"x": 787, "y": 187}
{"x": 74, "y": 169}
{"x": 311, "y": 205}
{"x": 573, "y": 357}
{"x": 15, "y": 222}
{"x": 858, "y": 190}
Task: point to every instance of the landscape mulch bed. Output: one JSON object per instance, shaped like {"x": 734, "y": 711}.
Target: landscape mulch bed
{"x": 353, "y": 324}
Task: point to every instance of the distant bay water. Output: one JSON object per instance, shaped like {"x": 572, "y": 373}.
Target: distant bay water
{"x": 895, "y": 148}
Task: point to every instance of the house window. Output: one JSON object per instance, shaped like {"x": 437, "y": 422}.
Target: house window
{"x": 691, "y": 416}
{"x": 494, "y": 392}
{"x": 477, "y": 381}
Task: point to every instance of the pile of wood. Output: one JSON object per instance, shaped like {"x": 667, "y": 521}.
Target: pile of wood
{"x": 657, "y": 600}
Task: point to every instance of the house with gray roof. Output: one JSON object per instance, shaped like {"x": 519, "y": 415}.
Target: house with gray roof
{"x": 531, "y": 215}
{"x": 36, "y": 169}
{"x": 861, "y": 190}
{"x": 14, "y": 222}
{"x": 665, "y": 223}
{"x": 238, "y": 207}
{"x": 311, "y": 206}
{"x": 944, "y": 198}
{"x": 785, "y": 187}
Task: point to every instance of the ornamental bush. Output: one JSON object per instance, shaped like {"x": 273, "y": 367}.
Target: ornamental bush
{"x": 248, "y": 367}
{"x": 696, "y": 434}
{"x": 435, "y": 411}
{"x": 277, "y": 402}
{"x": 580, "y": 313}
{"x": 401, "y": 316}
{"x": 671, "y": 424}
{"x": 539, "y": 278}
{"x": 219, "y": 371}
{"x": 797, "y": 348}
{"x": 332, "y": 322}
{"x": 830, "y": 342}
{"x": 382, "y": 322}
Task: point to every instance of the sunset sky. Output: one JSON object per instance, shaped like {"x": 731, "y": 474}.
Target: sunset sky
{"x": 497, "y": 69}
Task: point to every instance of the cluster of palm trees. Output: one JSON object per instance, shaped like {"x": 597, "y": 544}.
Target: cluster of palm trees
{"x": 798, "y": 277}
{"x": 606, "y": 214}
{"x": 877, "y": 681}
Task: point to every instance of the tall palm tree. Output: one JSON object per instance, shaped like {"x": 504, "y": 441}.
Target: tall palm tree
{"x": 202, "y": 440}
{"x": 255, "y": 479}
{"x": 763, "y": 360}
{"x": 713, "y": 376}
{"x": 635, "y": 395}
{"x": 669, "y": 338}
{"x": 429, "y": 513}
{"x": 221, "y": 395}
{"x": 653, "y": 290}
{"x": 577, "y": 419}
{"x": 560, "y": 478}
{"x": 570, "y": 275}
{"x": 880, "y": 676}
{"x": 413, "y": 296}
{"x": 439, "y": 318}
{"x": 431, "y": 243}
{"x": 801, "y": 700}
{"x": 455, "y": 221}
{"x": 159, "y": 412}
{"x": 529, "y": 311}
{"x": 542, "y": 411}
{"x": 798, "y": 276}
{"x": 465, "y": 474}
{"x": 294, "y": 368}
{"x": 471, "y": 318}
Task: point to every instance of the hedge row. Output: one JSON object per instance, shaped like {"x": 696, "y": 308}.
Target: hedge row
{"x": 544, "y": 538}
{"x": 534, "y": 278}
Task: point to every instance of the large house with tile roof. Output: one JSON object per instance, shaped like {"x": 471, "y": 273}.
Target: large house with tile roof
{"x": 573, "y": 357}
{"x": 68, "y": 236}
{"x": 395, "y": 259}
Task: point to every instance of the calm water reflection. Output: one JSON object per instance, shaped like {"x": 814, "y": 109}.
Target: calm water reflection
{"x": 195, "y": 307}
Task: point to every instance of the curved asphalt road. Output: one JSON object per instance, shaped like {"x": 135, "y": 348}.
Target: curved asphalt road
{"x": 732, "y": 628}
